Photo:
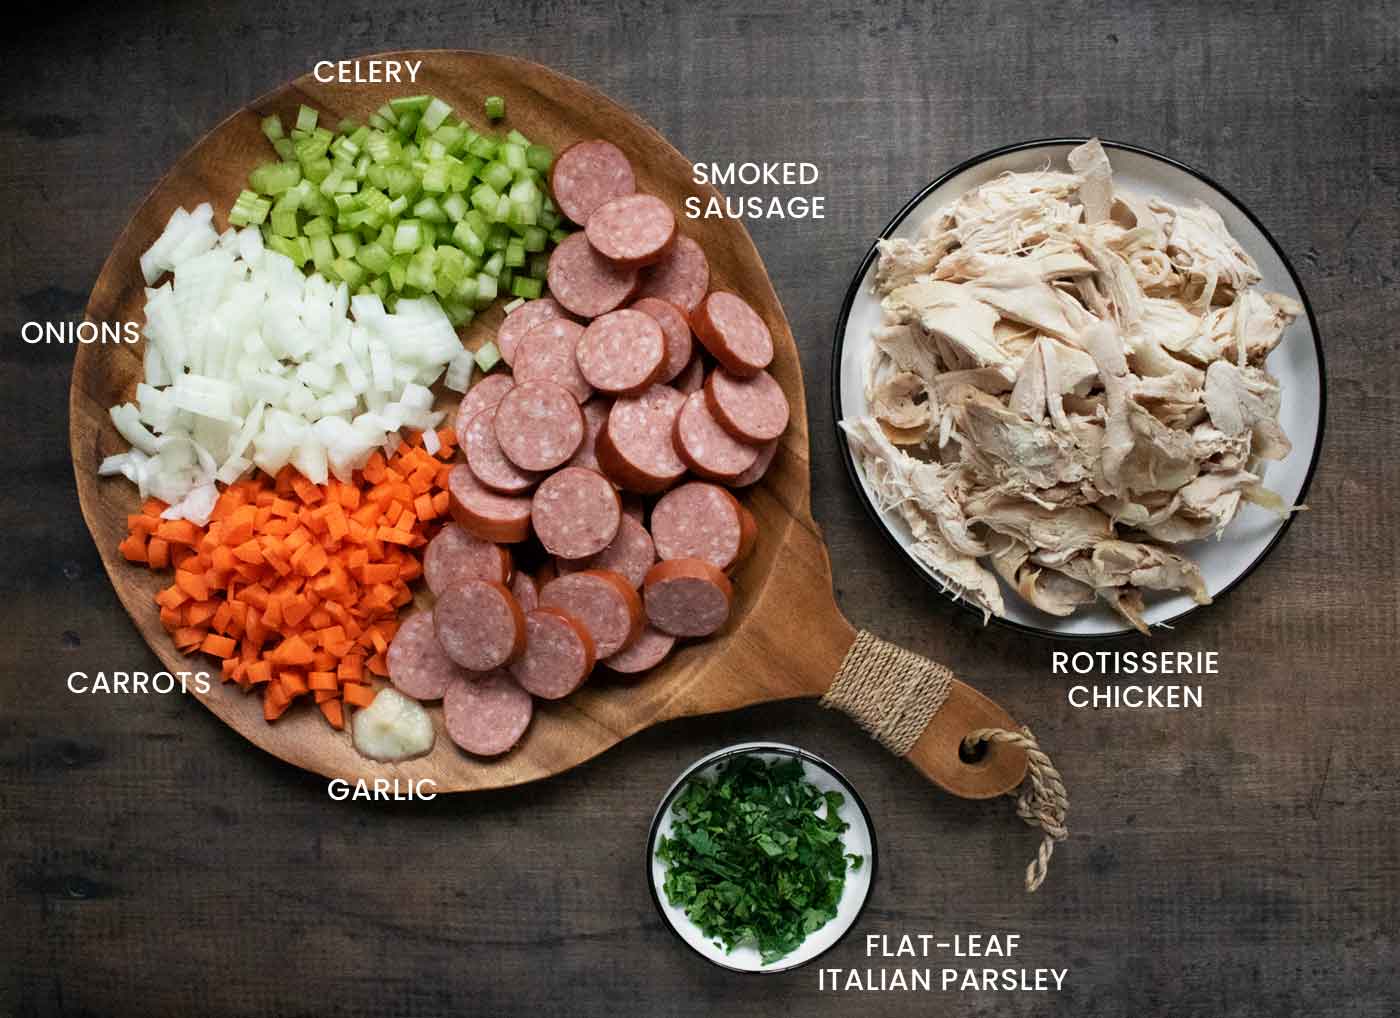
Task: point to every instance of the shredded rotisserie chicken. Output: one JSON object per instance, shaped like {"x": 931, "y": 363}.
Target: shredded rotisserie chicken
{"x": 1068, "y": 380}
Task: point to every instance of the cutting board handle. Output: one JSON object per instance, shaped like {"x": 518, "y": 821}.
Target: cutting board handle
{"x": 915, "y": 708}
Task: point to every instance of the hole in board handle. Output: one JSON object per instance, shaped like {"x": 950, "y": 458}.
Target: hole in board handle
{"x": 974, "y": 755}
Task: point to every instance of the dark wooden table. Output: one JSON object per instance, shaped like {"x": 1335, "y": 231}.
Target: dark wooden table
{"x": 1239, "y": 860}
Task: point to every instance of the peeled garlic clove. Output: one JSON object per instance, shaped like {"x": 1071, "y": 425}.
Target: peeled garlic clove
{"x": 392, "y": 728}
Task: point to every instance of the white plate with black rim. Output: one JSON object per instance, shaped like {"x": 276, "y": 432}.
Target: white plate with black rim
{"x": 1297, "y": 362}
{"x": 858, "y": 839}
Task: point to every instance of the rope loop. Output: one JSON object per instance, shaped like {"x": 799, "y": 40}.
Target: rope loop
{"x": 1042, "y": 801}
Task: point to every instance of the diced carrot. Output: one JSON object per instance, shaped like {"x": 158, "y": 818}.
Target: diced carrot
{"x": 192, "y": 584}
{"x": 133, "y": 548}
{"x": 218, "y": 646}
{"x": 179, "y": 532}
{"x": 357, "y": 695}
{"x": 334, "y": 713}
{"x": 157, "y": 552}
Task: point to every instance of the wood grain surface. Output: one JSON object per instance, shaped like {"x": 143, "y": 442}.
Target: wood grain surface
{"x": 1240, "y": 860}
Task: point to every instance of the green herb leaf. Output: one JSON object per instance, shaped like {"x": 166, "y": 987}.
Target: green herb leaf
{"x": 756, "y": 855}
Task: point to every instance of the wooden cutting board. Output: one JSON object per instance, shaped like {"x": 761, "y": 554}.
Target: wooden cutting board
{"x": 787, "y": 637}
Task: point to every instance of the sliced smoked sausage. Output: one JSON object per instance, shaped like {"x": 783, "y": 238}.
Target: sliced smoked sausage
{"x": 576, "y": 513}
{"x": 417, "y": 665}
{"x": 595, "y": 415}
{"x": 522, "y": 320}
{"x": 489, "y": 463}
{"x": 622, "y": 352}
{"x": 558, "y": 656}
{"x": 455, "y": 555}
{"x": 687, "y": 597}
{"x": 633, "y": 230}
{"x": 546, "y": 354}
{"x": 635, "y": 447}
{"x": 484, "y": 513}
{"x": 603, "y": 601}
{"x": 589, "y": 174}
{"x": 480, "y": 625}
{"x": 698, "y": 520}
{"x": 682, "y": 277}
{"x": 733, "y": 332}
{"x": 753, "y": 410}
{"x": 630, "y": 554}
{"x": 487, "y": 714}
{"x": 707, "y": 448}
{"x": 584, "y": 281}
{"x": 647, "y": 651}
{"x": 755, "y": 473}
{"x": 538, "y": 425}
{"x": 675, "y": 329}
{"x": 481, "y": 396}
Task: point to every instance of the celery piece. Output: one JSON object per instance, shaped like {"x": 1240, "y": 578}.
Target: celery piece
{"x": 318, "y": 226}
{"x": 284, "y": 217}
{"x": 381, "y": 148}
{"x": 452, "y": 137}
{"x": 524, "y": 286}
{"x": 249, "y": 210}
{"x": 379, "y": 285}
{"x": 331, "y": 184}
{"x": 523, "y": 214}
{"x": 306, "y": 119}
{"x": 282, "y": 245}
{"x": 435, "y": 177}
{"x": 549, "y": 219}
{"x": 497, "y": 175}
{"x": 502, "y": 209}
{"x": 285, "y": 149}
{"x": 459, "y": 177}
{"x": 504, "y": 280}
{"x": 483, "y": 148}
{"x": 488, "y": 356}
{"x": 539, "y": 266}
{"x": 345, "y": 244}
{"x": 402, "y": 181}
{"x": 484, "y": 199}
{"x": 466, "y": 290}
{"x": 408, "y": 236}
{"x": 398, "y": 273}
{"x": 430, "y": 209}
{"x": 322, "y": 253}
{"x": 478, "y": 224}
{"x": 495, "y": 264}
{"x": 485, "y": 289}
{"x": 409, "y": 104}
{"x": 397, "y": 206}
{"x": 420, "y": 269}
{"x": 272, "y": 127}
{"x": 534, "y": 238}
{"x": 274, "y": 178}
{"x": 455, "y": 206}
{"x": 457, "y": 313}
{"x": 495, "y": 107}
{"x": 498, "y": 237}
{"x": 436, "y": 112}
{"x": 344, "y": 148}
{"x": 467, "y": 239}
{"x": 514, "y": 157}
{"x": 374, "y": 257}
{"x": 515, "y": 253}
{"x": 316, "y": 170}
{"x": 351, "y": 272}
{"x": 387, "y": 114}
{"x": 539, "y": 157}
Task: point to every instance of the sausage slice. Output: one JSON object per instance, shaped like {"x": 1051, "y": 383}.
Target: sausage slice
{"x": 687, "y": 597}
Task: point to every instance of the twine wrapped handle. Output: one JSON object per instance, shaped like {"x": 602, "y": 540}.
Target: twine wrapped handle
{"x": 893, "y": 694}
{"x": 1041, "y": 801}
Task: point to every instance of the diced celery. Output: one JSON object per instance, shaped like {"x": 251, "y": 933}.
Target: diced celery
{"x": 539, "y": 266}
{"x": 322, "y": 253}
{"x": 539, "y": 157}
{"x": 421, "y": 269}
{"x": 558, "y": 235}
{"x": 488, "y": 356}
{"x": 495, "y": 107}
{"x": 408, "y": 236}
{"x": 409, "y": 104}
{"x": 374, "y": 258}
{"x": 525, "y": 286}
{"x": 514, "y": 157}
{"x": 306, "y": 119}
{"x": 352, "y": 273}
{"x": 274, "y": 178}
{"x": 249, "y": 210}
{"x": 495, "y": 264}
{"x": 320, "y": 226}
{"x": 455, "y": 206}
{"x": 535, "y": 238}
{"x": 466, "y": 290}
{"x": 498, "y": 176}
{"x": 284, "y": 217}
{"x": 345, "y": 244}
{"x": 430, "y": 209}
{"x": 466, "y": 238}
{"x": 436, "y": 113}
{"x": 515, "y": 253}
{"x": 398, "y": 272}
{"x": 435, "y": 177}
{"x": 272, "y": 127}
{"x": 498, "y": 237}
{"x": 285, "y": 148}
{"x": 485, "y": 289}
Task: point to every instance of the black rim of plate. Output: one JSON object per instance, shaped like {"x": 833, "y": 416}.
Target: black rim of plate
{"x": 854, "y": 289}
{"x": 747, "y": 749}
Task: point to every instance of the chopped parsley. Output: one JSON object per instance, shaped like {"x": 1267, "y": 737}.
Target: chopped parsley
{"x": 750, "y": 859}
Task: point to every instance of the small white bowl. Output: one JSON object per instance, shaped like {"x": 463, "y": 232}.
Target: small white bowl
{"x": 859, "y": 839}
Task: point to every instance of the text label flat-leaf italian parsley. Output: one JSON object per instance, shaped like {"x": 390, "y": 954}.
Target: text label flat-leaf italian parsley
{"x": 750, "y": 859}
